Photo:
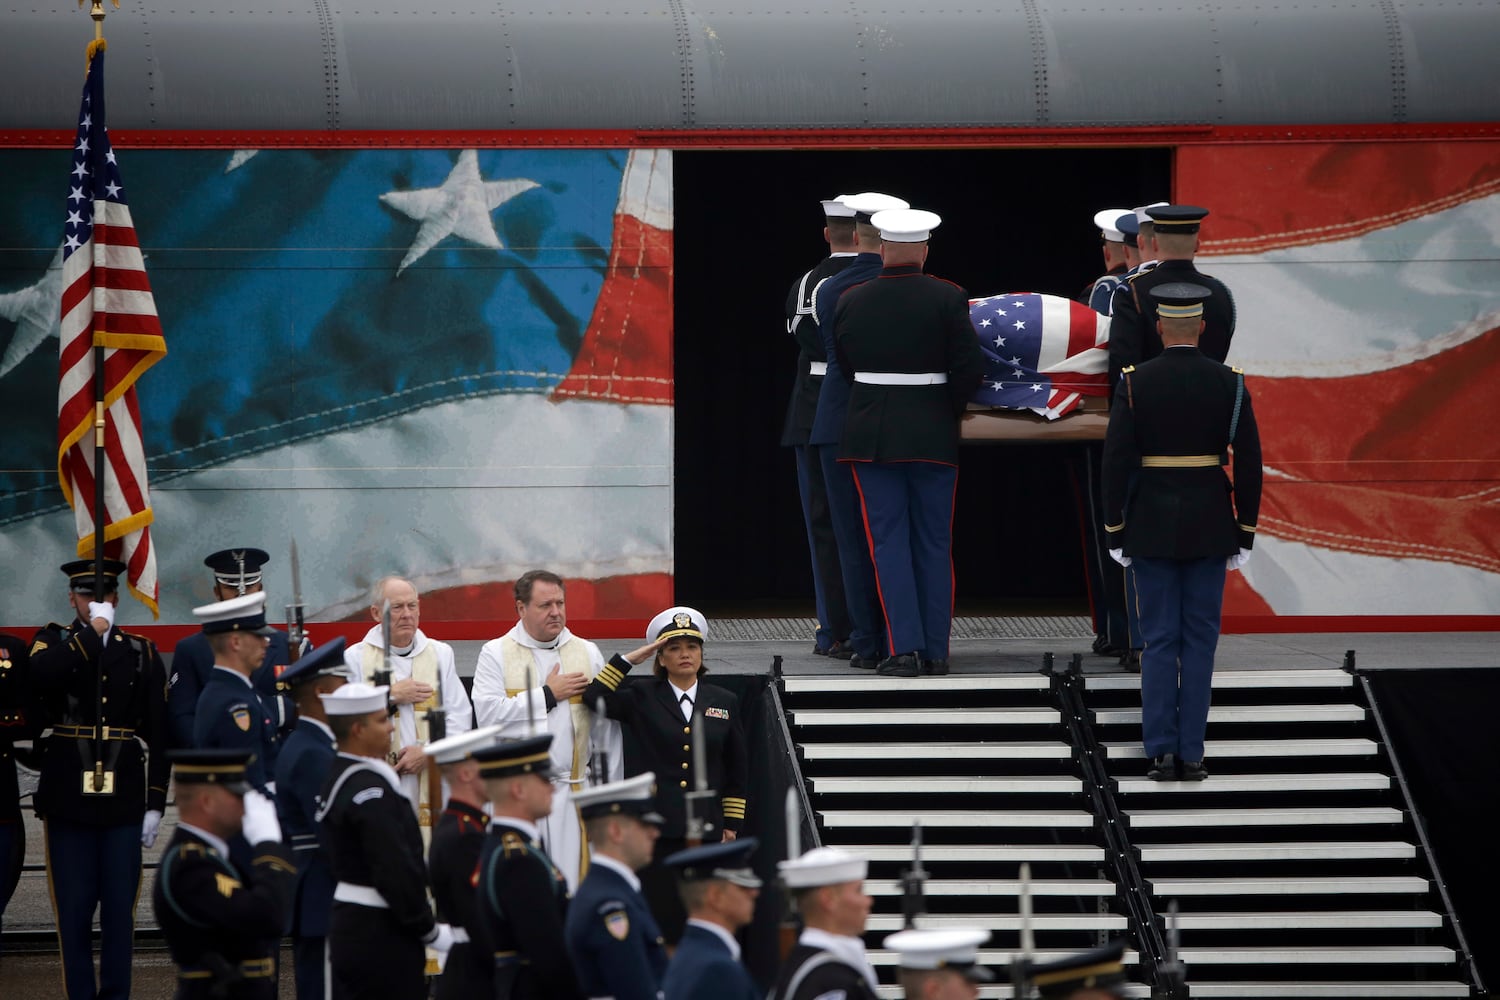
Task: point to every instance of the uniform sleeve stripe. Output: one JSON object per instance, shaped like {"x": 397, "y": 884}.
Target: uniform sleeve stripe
{"x": 610, "y": 677}
{"x": 1248, "y": 527}
{"x": 1115, "y": 527}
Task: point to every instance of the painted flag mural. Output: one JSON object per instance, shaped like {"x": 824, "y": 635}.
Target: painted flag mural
{"x": 1042, "y": 353}
{"x": 1368, "y": 283}
{"x": 106, "y": 303}
{"x": 452, "y": 364}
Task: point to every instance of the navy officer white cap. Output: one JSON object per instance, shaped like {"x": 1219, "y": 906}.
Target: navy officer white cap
{"x": 906, "y": 225}
{"x": 956, "y": 948}
{"x": 871, "y": 202}
{"x": 678, "y": 621}
{"x": 1105, "y": 220}
{"x": 834, "y": 208}
{"x": 357, "y": 698}
{"x": 823, "y": 866}
{"x": 456, "y": 748}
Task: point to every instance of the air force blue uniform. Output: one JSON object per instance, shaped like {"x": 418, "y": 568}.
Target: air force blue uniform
{"x": 193, "y": 664}
{"x": 615, "y": 943}
{"x": 232, "y": 716}
{"x": 704, "y": 968}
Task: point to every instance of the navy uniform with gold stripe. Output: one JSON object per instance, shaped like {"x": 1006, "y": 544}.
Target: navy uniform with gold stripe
{"x": 522, "y": 896}
{"x": 18, "y": 721}
{"x": 118, "y": 681}
{"x": 222, "y": 923}
{"x": 1176, "y": 515}
{"x": 230, "y": 712}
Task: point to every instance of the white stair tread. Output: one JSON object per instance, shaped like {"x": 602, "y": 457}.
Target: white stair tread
{"x": 996, "y": 887}
{"x": 1004, "y": 991}
{"x": 1348, "y": 816}
{"x": 1247, "y": 713}
{"x": 1305, "y": 990}
{"x": 1308, "y": 920}
{"x": 1351, "y": 850}
{"x": 925, "y": 717}
{"x": 1258, "y": 680}
{"x": 997, "y": 959}
{"x": 1427, "y": 954}
{"x": 1229, "y": 749}
{"x": 961, "y": 818}
{"x": 1167, "y": 888}
{"x": 1005, "y": 922}
{"x": 948, "y": 786}
{"x": 997, "y": 853}
{"x": 937, "y": 751}
{"x": 867, "y": 683}
{"x": 1336, "y": 781}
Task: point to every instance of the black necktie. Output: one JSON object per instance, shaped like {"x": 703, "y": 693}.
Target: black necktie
{"x": 687, "y": 705}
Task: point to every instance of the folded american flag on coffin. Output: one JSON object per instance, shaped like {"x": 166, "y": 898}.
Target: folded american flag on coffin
{"x": 1042, "y": 353}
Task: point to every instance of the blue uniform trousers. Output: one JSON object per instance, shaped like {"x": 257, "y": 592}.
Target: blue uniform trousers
{"x": 866, "y": 625}
{"x": 94, "y": 867}
{"x": 908, "y": 509}
{"x": 12, "y": 856}
{"x": 828, "y": 581}
{"x": 1180, "y": 602}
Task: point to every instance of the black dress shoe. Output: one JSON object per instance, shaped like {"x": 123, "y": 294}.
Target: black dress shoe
{"x": 934, "y": 668}
{"x": 1191, "y": 770}
{"x": 861, "y": 662}
{"x": 1131, "y": 661}
{"x": 904, "y": 665}
{"x": 1163, "y": 768}
{"x": 840, "y": 650}
{"x": 1103, "y": 647}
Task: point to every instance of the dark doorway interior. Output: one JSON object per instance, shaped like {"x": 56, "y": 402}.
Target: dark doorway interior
{"x": 747, "y": 225}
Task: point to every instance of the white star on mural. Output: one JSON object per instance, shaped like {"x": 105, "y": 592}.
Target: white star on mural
{"x": 239, "y": 158}
{"x": 461, "y": 207}
{"x": 34, "y": 310}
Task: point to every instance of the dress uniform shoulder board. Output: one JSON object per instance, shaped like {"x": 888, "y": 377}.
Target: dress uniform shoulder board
{"x": 512, "y": 843}
{"x": 1237, "y": 371}
{"x": 164, "y": 876}
{"x": 1127, "y": 369}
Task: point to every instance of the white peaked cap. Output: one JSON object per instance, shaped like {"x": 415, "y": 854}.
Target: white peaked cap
{"x": 678, "y": 621}
{"x": 871, "y": 202}
{"x": 823, "y": 866}
{"x": 1140, "y": 210}
{"x": 1106, "y": 220}
{"x": 938, "y": 949}
{"x": 906, "y": 225}
{"x": 357, "y": 698}
{"x": 834, "y": 208}
{"x": 456, "y": 748}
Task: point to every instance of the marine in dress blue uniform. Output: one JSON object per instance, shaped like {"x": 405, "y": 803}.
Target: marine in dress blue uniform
{"x": 812, "y": 364}
{"x": 230, "y": 713}
{"x": 222, "y": 922}
{"x": 522, "y": 895}
{"x": 613, "y": 939}
{"x": 19, "y": 720}
{"x": 906, "y": 343}
{"x": 301, "y": 768}
{"x": 866, "y": 619}
{"x": 1178, "y": 519}
{"x": 721, "y": 889}
{"x": 237, "y": 572}
{"x": 95, "y": 831}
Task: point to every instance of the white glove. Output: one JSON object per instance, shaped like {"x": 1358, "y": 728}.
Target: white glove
{"x": 1119, "y": 556}
{"x": 441, "y": 938}
{"x": 149, "y": 826}
{"x": 261, "y": 824}
{"x": 102, "y": 609}
{"x": 1238, "y": 560}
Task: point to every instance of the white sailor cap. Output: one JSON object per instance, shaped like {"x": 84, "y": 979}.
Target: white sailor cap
{"x": 678, "y": 621}
{"x": 456, "y": 748}
{"x": 823, "y": 866}
{"x": 834, "y": 208}
{"x": 869, "y": 203}
{"x": 632, "y": 797}
{"x": 956, "y": 949}
{"x": 1140, "y": 211}
{"x": 356, "y": 698}
{"x": 238, "y": 614}
{"x": 1106, "y": 219}
{"x": 906, "y": 225}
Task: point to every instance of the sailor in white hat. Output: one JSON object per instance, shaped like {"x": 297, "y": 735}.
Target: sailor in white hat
{"x": 941, "y": 964}
{"x": 377, "y": 942}
{"x": 827, "y": 886}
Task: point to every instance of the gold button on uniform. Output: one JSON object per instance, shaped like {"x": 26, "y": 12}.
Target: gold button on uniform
{"x": 684, "y": 765}
{"x": 686, "y": 747}
{"x": 682, "y": 783}
{"x": 687, "y": 729}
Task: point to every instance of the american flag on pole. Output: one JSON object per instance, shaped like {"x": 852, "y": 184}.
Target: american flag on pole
{"x": 106, "y": 302}
{"x": 1042, "y": 353}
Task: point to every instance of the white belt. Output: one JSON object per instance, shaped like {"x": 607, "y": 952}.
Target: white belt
{"x": 901, "y": 378}
{"x": 460, "y": 935}
{"x": 817, "y": 368}
{"x": 364, "y": 895}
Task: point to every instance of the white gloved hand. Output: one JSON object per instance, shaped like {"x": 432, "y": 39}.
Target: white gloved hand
{"x": 441, "y": 938}
{"x": 261, "y": 824}
{"x": 149, "y": 827}
{"x": 1119, "y": 556}
{"x": 1238, "y": 560}
{"x": 102, "y": 609}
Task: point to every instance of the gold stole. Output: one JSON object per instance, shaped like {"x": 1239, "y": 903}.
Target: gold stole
{"x": 424, "y": 670}
{"x": 520, "y": 671}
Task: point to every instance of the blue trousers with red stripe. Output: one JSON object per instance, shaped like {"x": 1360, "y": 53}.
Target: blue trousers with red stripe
{"x": 908, "y": 509}
{"x": 1180, "y": 604}
{"x": 862, "y": 601}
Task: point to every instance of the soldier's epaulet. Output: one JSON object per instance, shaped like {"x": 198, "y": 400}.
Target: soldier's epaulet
{"x": 1127, "y": 369}
{"x": 1237, "y": 371}
{"x": 512, "y": 843}
{"x": 189, "y": 849}
{"x": 466, "y": 822}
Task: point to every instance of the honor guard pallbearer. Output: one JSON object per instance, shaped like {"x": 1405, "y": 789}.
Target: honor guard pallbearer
{"x": 302, "y": 766}
{"x": 615, "y": 944}
{"x": 453, "y": 862}
{"x": 940, "y": 964}
{"x": 522, "y": 896}
{"x": 906, "y": 343}
{"x": 236, "y": 572}
{"x": 1101, "y": 292}
{"x": 222, "y": 923}
{"x": 829, "y": 961}
{"x": 381, "y": 918}
{"x": 719, "y": 889}
{"x": 230, "y": 712}
{"x": 104, "y": 693}
{"x": 1178, "y": 521}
